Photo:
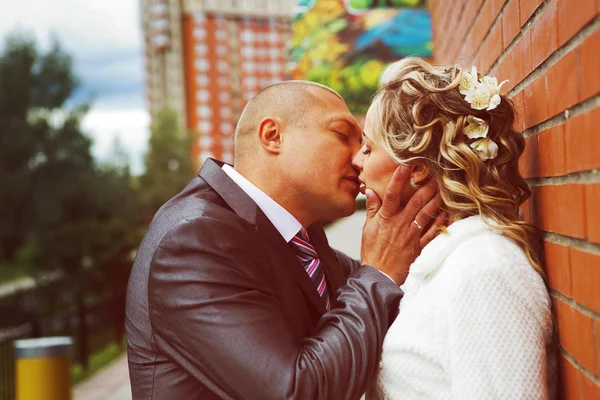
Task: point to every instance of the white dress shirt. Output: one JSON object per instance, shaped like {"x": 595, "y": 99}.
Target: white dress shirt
{"x": 284, "y": 222}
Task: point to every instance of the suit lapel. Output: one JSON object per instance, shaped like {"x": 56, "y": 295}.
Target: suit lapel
{"x": 287, "y": 256}
{"x": 246, "y": 208}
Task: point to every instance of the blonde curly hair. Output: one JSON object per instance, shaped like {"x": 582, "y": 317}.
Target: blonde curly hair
{"x": 421, "y": 115}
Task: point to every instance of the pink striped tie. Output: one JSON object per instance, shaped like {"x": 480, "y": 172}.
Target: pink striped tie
{"x": 308, "y": 257}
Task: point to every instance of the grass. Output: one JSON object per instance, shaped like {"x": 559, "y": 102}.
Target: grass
{"x": 11, "y": 272}
{"x": 97, "y": 361}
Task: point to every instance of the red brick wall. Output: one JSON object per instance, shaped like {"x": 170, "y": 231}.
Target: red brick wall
{"x": 550, "y": 52}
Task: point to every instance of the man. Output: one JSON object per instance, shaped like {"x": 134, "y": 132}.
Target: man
{"x": 235, "y": 293}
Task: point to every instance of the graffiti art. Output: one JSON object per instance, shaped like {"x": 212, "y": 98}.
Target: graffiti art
{"x": 345, "y": 44}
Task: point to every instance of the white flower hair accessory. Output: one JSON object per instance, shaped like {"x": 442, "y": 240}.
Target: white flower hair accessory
{"x": 484, "y": 147}
{"x": 482, "y": 94}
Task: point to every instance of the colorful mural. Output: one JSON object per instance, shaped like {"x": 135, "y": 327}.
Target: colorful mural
{"x": 345, "y": 44}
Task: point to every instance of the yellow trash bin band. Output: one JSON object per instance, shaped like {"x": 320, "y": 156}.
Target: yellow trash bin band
{"x": 43, "y": 368}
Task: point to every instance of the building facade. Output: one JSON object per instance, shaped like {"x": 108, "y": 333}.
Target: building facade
{"x": 207, "y": 58}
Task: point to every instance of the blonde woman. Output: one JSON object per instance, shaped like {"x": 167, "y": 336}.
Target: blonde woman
{"x": 475, "y": 320}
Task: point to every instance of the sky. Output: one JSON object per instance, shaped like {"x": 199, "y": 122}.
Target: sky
{"x": 105, "y": 40}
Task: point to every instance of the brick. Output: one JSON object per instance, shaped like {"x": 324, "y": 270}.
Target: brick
{"x": 481, "y": 27}
{"x": 590, "y": 65}
{"x": 511, "y": 23}
{"x": 544, "y": 36}
{"x": 552, "y": 154}
{"x": 569, "y": 380}
{"x": 536, "y": 102}
{"x": 491, "y": 48}
{"x": 518, "y": 101}
{"x": 585, "y": 278}
{"x": 576, "y": 333}
{"x": 497, "y": 6}
{"x": 562, "y": 80}
{"x": 522, "y": 58}
{"x": 583, "y": 141}
{"x": 589, "y": 390}
{"x": 528, "y": 162}
{"x": 527, "y": 8}
{"x": 558, "y": 268}
{"x": 572, "y": 16}
{"x": 592, "y": 200}
{"x": 505, "y": 70}
{"x": 561, "y": 209}
{"x": 597, "y": 326}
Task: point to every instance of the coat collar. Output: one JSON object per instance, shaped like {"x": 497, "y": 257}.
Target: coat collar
{"x": 212, "y": 173}
{"x": 433, "y": 255}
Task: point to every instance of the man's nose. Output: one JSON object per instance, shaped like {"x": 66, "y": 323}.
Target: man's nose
{"x": 357, "y": 161}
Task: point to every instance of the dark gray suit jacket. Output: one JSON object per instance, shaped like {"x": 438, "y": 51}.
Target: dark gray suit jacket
{"x": 218, "y": 307}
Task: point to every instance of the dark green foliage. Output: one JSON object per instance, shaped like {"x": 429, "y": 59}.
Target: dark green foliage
{"x": 58, "y": 209}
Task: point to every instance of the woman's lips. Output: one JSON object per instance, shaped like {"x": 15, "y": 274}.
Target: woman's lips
{"x": 362, "y": 188}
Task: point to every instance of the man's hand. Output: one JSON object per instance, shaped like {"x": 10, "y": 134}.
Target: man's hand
{"x": 393, "y": 235}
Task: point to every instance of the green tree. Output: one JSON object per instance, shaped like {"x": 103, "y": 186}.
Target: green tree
{"x": 169, "y": 165}
{"x": 57, "y": 206}
{"x": 33, "y": 87}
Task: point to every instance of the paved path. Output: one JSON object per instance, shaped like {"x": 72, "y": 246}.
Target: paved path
{"x": 21, "y": 284}
{"x": 344, "y": 235}
{"x": 112, "y": 383}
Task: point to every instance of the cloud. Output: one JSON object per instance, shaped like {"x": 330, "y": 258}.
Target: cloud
{"x": 129, "y": 127}
{"x": 106, "y": 42}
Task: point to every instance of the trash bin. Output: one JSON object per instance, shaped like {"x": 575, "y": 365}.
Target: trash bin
{"x": 43, "y": 368}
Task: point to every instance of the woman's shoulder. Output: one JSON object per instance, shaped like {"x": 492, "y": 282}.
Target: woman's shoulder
{"x": 489, "y": 261}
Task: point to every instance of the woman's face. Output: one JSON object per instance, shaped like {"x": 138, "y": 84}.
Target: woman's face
{"x": 374, "y": 163}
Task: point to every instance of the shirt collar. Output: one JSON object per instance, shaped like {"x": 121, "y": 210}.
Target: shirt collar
{"x": 284, "y": 222}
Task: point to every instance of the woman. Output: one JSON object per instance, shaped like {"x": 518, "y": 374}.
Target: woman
{"x": 475, "y": 320}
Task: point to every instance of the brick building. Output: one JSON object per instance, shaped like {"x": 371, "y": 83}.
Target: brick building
{"x": 206, "y": 58}
{"x": 550, "y": 52}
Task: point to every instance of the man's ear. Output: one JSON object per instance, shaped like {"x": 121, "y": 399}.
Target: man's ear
{"x": 420, "y": 172}
{"x": 270, "y": 135}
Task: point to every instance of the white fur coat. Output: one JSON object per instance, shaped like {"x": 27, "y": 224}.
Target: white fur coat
{"x": 475, "y": 323}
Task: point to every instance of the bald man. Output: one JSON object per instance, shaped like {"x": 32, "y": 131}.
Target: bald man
{"x": 235, "y": 293}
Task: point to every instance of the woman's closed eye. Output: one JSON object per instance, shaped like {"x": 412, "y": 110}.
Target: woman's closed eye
{"x": 366, "y": 150}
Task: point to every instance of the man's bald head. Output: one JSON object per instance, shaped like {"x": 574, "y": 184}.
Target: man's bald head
{"x": 290, "y": 101}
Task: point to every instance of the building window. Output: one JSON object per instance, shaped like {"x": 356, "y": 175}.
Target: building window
{"x": 221, "y": 50}
{"x": 205, "y": 127}
{"x": 247, "y": 35}
{"x": 223, "y": 81}
{"x": 226, "y": 113}
{"x": 224, "y": 97}
{"x": 227, "y": 142}
{"x": 223, "y": 66}
{"x": 221, "y": 34}
{"x": 202, "y": 65}
{"x": 275, "y": 68}
{"x": 204, "y": 112}
{"x": 227, "y": 157}
{"x": 202, "y": 80}
{"x": 199, "y": 33}
{"x": 249, "y": 67}
{"x": 226, "y": 128}
{"x": 250, "y": 82}
{"x": 205, "y": 141}
{"x": 203, "y": 96}
{"x": 206, "y": 154}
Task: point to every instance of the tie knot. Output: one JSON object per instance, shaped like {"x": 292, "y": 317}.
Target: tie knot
{"x": 303, "y": 234}
{"x": 305, "y": 250}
